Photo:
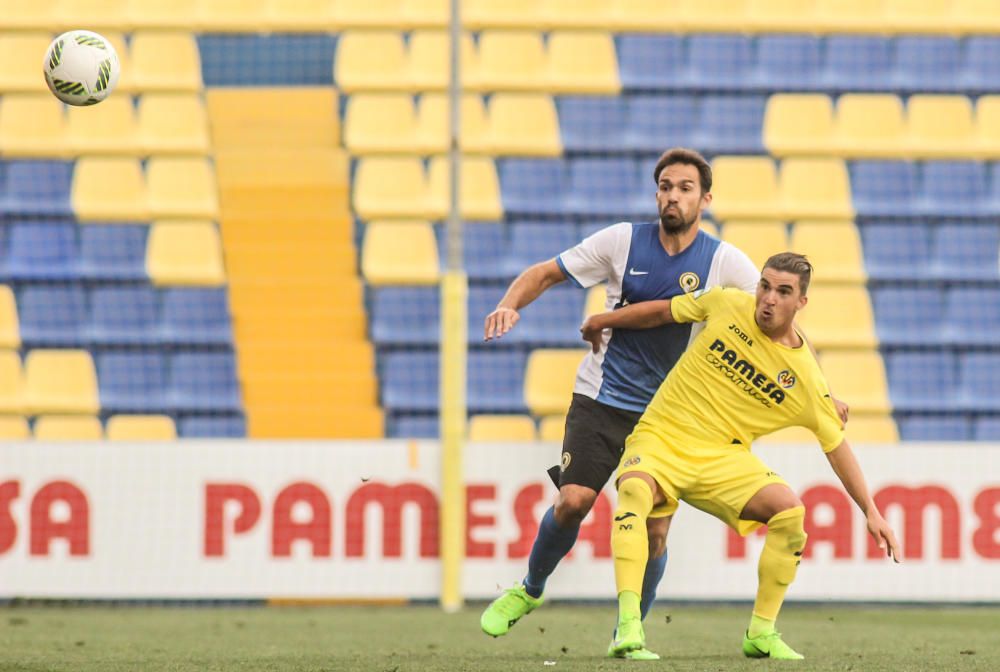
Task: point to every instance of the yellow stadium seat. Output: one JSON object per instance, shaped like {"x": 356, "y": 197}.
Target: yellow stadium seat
{"x": 141, "y": 428}
{"x": 872, "y": 429}
{"x": 549, "y": 379}
{"x": 426, "y": 13}
{"x": 799, "y": 125}
{"x": 10, "y": 329}
{"x": 429, "y": 65}
{"x": 184, "y": 253}
{"x": 759, "y": 239}
{"x": 479, "y": 186}
{"x": 368, "y": 13}
{"x": 939, "y": 127}
{"x": 597, "y": 300}
{"x": 851, "y": 16}
{"x": 582, "y": 62}
{"x": 182, "y": 187}
{"x": 392, "y": 187}
{"x": 712, "y": 15}
{"x": 552, "y": 428}
{"x": 643, "y": 16}
{"x": 824, "y": 319}
{"x": 794, "y": 435}
{"x": 380, "y": 123}
{"x": 400, "y": 253}
{"x": 709, "y": 227}
{"x": 14, "y": 428}
{"x": 772, "y": 16}
{"x": 11, "y": 382}
{"x": 163, "y": 14}
{"x": 173, "y": 123}
{"x": 977, "y": 16}
{"x": 165, "y": 61}
{"x": 815, "y": 188}
{"x": 60, "y": 381}
{"x": 857, "y": 377}
{"x": 833, "y": 247}
{"x": 32, "y": 125}
{"x": 109, "y": 189}
{"x": 987, "y": 135}
{"x": 869, "y": 125}
{"x": 96, "y": 15}
{"x": 524, "y": 125}
{"x": 585, "y": 14}
{"x": 921, "y": 16}
{"x": 108, "y": 128}
{"x": 509, "y": 60}
{"x": 371, "y": 60}
{"x": 21, "y": 58}
{"x": 232, "y": 16}
{"x": 744, "y": 187}
{"x": 508, "y": 428}
{"x": 301, "y": 15}
{"x": 492, "y": 14}
{"x": 68, "y": 428}
{"x": 39, "y": 15}
{"x": 433, "y": 135}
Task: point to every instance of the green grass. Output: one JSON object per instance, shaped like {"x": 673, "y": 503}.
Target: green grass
{"x": 423, "y": 639}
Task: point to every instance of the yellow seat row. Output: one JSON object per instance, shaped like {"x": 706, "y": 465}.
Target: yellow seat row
{"x": 516, "y": 428}
{"x": 400, "y": 188}
{"x": 89, "y": 428}
{"x": 523, "y": 124}
{"x": 154, "y": 60}
{"x": 878, "y": 125}
{"x": 583, "y": 62}
{"x": 51, "y": 381}
{"x": 37, "y": 125}
{"x": 185, "y": 252}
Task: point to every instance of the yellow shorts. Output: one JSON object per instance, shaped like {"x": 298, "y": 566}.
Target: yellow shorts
{"x": 718, "y": 481}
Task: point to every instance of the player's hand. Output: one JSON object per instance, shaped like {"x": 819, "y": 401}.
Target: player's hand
{"x": 842, "y": 409}
{"x": 883, "y": 535}
{"x": 499, "y": 322}
{"x": 592, "y": 333}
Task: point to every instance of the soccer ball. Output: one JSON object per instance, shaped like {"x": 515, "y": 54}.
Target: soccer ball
{"x": 81, "y": 67}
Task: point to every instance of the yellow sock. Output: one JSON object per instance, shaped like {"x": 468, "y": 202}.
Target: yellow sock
{"x": 629, "y": 540}
{"x": 786, "y": 537}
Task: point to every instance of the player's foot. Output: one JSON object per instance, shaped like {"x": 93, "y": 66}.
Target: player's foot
{"x": 635, "y": 654}
{"x": 507, "y": 610}
{"x": 769, "y": 646}
{"x": 629, "y": 637}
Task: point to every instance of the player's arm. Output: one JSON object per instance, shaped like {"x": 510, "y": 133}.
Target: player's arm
{"x": 644, "y": 315}
{"x": 846, "y": 466}
{"x": 526, "y": 288}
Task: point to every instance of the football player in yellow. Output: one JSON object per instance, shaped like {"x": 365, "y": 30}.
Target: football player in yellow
{"x": 748, "y": 373}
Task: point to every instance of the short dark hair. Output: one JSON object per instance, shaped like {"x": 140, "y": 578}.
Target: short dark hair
{"x": 790, "y": 262}
{"x": 688, "y": 157}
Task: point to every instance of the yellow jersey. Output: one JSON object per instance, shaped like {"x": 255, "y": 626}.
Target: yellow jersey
{"x": 734, "y": 383}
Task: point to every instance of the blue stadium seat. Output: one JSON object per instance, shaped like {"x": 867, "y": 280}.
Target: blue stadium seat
{"x": 532, "y": 242}
{"x": 719, "y": 62}
{"x": 124, "y": 316}
{"x": 788, "y": 62}
{"x": 593, "y": 123}
{"x": 203, "y": 381}
{"x": 902, "y": 315}
{"x": 964, "y": 251}
{"x": 278, "y": 59}
{"x": 483, "y": 248}
{"x": 979, "y": 68}
{"x": 53, "y": 315}
{"x": 965, "y": 182}
{"x": 922, "y": 381}
{"x": 553, "y": 319}
{"x": 971, "y": 316}
{"x": 606, "y": 186}
{"x": 113, "y": 252}
{"x": 197, "y": 316}
{"x": 406, "y": 426}
{"x": 855, "y": 63}
{"x": 927, "y": 64}
{"x": 496, "y": 380}
{"x": 42, "y": 250}
{"x": 589, "y": 227}
{"x": 533, "y": 186}
{"x": 979, "y": 379}
{"x": 987, "y": 428}
{"x": 132, "y": 382}
{"x": 651, "y": 62}
{"x": 895, "y": 250}
{"x": 934, "y": 428}
{"x": 39, "y": 188}
{"x": 409, "y": 381}
{"x": 655, "y": 123}
{"x": 730, "y": 125}
{"x": 884, "y": 188}
{"x": 406, "y": 315}
{"x": 212, "y": 427}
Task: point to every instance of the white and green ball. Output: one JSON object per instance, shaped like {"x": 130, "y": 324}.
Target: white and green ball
{"x": 81, "y": 67}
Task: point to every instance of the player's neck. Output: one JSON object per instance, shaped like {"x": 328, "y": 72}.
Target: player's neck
{"x": 676, "y": 243}
{"x": 783, "y": 336}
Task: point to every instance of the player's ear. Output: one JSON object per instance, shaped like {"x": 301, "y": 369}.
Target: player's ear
{"x": 803, "y": 300}
{"x": 706, "y": 199}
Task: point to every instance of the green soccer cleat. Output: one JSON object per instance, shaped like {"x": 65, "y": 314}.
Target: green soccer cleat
{"x": 508, "y": 609}
{"x": 629, "y": 638}
{"x": 769, "y": 646}
{"x": 635, "y": 654}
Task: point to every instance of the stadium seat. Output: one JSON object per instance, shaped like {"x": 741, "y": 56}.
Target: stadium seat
{"x": 857, "y": 62}
{"x": 815, "y": 188}
{"x": 109, "y": 128}
{"x": 11, "y": 382}
{"x": 523, "y": 125}
{"x": 527, "y": 186}
{"x": 409, "y": 381}
{"x": 429, "y": 65}
{"x": 60, "y": 381}
{"x": 872, "y": 429}
{"x": 596, "y": 301}
{"x": 869, "y": 125}
{"x": 730, "y": 124}
{"x": 966, "y": 184}
{"x": 356, "y": 70}
{"x": 580, "y": 14}
{"x": 900, "y": 315}
{"x": 774, "y": 16}
{"x": 182, "y": 187}
{"x": 400, "y": 253}
{"x": 979, "y": 72}
{"x": 433, "y": 126}
{"x": 53, "y": 315}
{"x": 302, "y": 15}
{"x": 833, "y": 247}
{"x": 964, "y": 251}
{"x": 32, "y": 125}
{"x": 41, "y": 250}
{"x": 161, "y": 14}
{"x": 483, "y": 247}
{"x": 203, "y": 381}
{"x": 113, "y": 252}
{"x": 582, "y": 62}
{"x": 939, "y": 126}
{"x": 220, "y": 16}
{"x": 184, "y": 253}
{"x": 21, "y": 55}
{"x": 212, "y": 427}
{"x": 788, "y": 62}
{"x": 172, "y": 124}
{"x": 934, "y": 428}
{"x": 986, "y": 142}
{"x": 896, "y": 251}
{"x": 908, "y": 376}
{"x": 197, "y": 316}
{"x": 124, "y": 315}
{"x": 133, "y": 382}
{"x": 927, "y": 63}
{"x": 508, "y": 428}
{"x": 406, "y": 316}
{"x": 496, "y": 381}
{"x": 509, "y": 60}
{"x": 884, "y": 188}
{"x": 141, "y": 428}
{"x": 759, "y": 239}
{"x": 823, "y": 317}
{"x": 857, "y": 377}
{"x": 532, "y": 242}
{"x": 493, "y": 14}
{"x": 651, "y": 122}
{"x": 377, "y": 123}
{"x": 407, "y": 426}
{"x": 40, "y": 188}
{"x": 552, "y": 428}
{"x": 850, "y": 16}
{"x": 165, "y": 61}
{"x": 979, "y": 381}
{"x": 745, "y": 187}
{"x": 109, "y": 189}
{"x": 68, "y": 428}
{"x": 718, "y": 62}
{"x": 553, "y": 319}
{"x": 607, "y": 187}
{"x": 971, "y": 316}
{"x": 987, "y": 428}
{"x": 549, "y": 380}
{"x": 14, "y": 428}
{"x": 479, "y": 187}
{"x": 10, "y": 330}
{"x": 799, "y": 125}
{"x": 387, "y": 187}
{"x": 637, "y": 52}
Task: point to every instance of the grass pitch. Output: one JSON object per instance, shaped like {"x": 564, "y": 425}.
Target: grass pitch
{"x": 423, "y": 639}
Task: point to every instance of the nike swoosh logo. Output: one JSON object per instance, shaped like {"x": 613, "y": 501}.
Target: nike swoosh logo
{"x": 632, "y": 271}
{"x": 622, "y": 517}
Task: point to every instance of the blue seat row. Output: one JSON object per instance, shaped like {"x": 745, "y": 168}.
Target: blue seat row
{"x": 939, "y": 380}
{"x": 916, "y": 189}
{"x": 946, "y": 250}
{"x": 58, "y": 249}
{"x": 930, "y": 316}
{"x": 939, "y": 427}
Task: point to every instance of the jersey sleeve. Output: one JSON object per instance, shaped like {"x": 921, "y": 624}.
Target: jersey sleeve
{"x": 696, "y": 306}
{"x": 737, "y": 269}
{"x": 828, "y": 429}
{"x": 592, "y": 260}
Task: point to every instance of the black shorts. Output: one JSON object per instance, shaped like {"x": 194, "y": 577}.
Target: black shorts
{"x": 593, "y": 443}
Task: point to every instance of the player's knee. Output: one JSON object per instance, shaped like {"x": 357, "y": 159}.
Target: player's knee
{"x": 635, "y": 491}
{"x": 573, "y": 505}
{"x": 789, "y": 527}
